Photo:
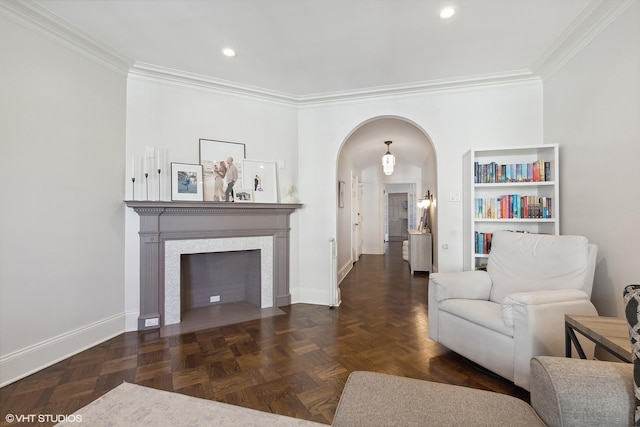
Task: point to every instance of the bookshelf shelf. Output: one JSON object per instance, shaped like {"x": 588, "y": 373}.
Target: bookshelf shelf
{"x": 516, "y": 184}
{"x": 508, "y": 188}
{"x": 523, "y": 220}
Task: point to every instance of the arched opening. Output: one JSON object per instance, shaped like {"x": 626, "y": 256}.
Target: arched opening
{"x": 365, "y": 222}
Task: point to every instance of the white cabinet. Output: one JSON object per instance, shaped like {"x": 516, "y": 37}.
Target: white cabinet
{"x": 419, "y": 251}
{"x": 509, "y": 188}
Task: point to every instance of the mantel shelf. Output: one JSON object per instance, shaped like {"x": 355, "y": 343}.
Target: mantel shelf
{"x": 144, "y": 204}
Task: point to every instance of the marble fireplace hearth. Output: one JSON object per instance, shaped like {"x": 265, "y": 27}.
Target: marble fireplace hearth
{"x": 175, "y": 228}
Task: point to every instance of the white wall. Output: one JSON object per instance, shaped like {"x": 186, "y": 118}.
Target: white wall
{"x": 175, "y": 117}
{"x": 455, "y": 121}
{"x": 592, "y": 109}
{"x": 346, "y": 170}
{"x": 62, "y": 127}
{"x": 430, "y": 183}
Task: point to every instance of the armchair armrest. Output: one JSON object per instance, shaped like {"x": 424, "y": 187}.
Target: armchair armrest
{"x": 461, "y": 284}
{"x": 537, "y": 319}
{"x": 575, "y": 392}
{"x": 538, "y": 298}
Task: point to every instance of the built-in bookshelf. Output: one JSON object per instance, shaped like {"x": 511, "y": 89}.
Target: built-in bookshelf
{"x": 508, "y": 188}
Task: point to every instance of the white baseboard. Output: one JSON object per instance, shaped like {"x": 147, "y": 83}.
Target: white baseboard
{"x": 131, "y": 321}
{"x": 311, "y": 296}
{"x": 373, "y": 250}
{"x": 21, "y": 363}
{"x": 344, "y": 270}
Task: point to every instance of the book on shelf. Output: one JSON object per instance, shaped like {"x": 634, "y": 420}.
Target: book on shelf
{"x": 513, "y": 206}
{"x": 494, "y": 173}
{"x": 483, "y": 243}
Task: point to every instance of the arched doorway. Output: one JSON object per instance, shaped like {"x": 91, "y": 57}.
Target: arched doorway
{"x": 362, "y": 214}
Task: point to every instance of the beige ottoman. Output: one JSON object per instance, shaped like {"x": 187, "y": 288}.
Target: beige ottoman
{"x": 371, "y": 399}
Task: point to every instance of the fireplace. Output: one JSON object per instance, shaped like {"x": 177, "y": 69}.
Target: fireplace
{"x": 169, "y": 230}
{"x": 175, "y": 251}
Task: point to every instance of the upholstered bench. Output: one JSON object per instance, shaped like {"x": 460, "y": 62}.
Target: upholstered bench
{"x": 370, "y": 399}
{"x": 564, "y": 392}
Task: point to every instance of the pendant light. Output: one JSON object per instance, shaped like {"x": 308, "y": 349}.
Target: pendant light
{"x": 388, "y": 160}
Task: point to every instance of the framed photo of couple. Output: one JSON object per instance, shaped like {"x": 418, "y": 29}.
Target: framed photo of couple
{"x": 213, "y": 158}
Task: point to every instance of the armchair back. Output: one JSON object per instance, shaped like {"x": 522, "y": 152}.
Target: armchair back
{"x": 522, "y": 262}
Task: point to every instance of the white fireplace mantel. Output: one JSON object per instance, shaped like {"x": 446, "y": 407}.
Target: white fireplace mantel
{"x": 161, "y": 221}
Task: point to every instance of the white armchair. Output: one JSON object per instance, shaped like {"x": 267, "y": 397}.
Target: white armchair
{"x": 502, "y": 317}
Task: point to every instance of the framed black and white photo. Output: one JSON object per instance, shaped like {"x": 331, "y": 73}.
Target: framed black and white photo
{"x": 213, "y": 158}
{"x": 260, "y": 176}
{"x": 186, "y": 182}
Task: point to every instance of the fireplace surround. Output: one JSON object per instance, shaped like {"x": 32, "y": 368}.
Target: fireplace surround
{"x": 163, "y": 221}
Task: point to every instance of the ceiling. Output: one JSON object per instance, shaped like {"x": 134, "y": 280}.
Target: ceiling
{"x": 314, "y": 49}
{"x": 304, "y": 48}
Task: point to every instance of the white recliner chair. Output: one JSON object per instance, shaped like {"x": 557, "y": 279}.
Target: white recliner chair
{"x": 502, "y": 317}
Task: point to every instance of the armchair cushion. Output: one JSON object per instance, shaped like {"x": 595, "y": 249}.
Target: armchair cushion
{"x": 522, "y": 262}
{"x": 484, "y": 313}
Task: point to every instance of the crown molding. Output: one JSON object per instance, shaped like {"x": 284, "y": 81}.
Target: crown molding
{"x": 160, "y": 74}
{"x": 40, "y": 20}
{"x": 457, "y": 84}
{"x": 587, "y": 26}
{"x": 144, "y": 71}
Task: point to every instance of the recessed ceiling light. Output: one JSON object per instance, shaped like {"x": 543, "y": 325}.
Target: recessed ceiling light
{"x": 447, "y": 13}
{"x": 227, "y": 51}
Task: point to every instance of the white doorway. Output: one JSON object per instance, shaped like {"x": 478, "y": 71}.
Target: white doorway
{"x": 356, "y": 218}
{"x": 397, "y": 217}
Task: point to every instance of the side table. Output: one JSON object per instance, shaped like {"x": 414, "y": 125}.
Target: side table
{"x": 609, "y": 333}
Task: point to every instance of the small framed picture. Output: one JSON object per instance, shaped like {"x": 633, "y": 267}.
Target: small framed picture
{"x": 341, "y": 185}
{"x": 243, "y": 195}
{"x": 186, "y": 182}
{"x": 262, "y": 178}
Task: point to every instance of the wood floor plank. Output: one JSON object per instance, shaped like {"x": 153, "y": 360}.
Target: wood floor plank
{"x": 295, "y": 363}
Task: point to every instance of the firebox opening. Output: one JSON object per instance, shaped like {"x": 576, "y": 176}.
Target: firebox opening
{"x": 232, "y": 276}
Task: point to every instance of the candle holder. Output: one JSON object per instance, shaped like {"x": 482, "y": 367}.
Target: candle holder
{"x": 159, "y": 171}
{"x": 146, "y": 180}
{"x": 133, "y": 188}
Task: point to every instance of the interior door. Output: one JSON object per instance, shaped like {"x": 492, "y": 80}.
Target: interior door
{"x": 359, "y": 239}
{"x": 356, "y": 218}
{"x": 397, "y": 216}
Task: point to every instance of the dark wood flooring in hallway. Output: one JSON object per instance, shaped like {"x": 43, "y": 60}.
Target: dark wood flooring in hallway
{"x": 294, "y": 364}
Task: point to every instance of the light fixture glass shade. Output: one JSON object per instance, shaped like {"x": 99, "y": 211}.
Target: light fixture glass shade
{"x": 424, "y": 203}
{"x": 388, "y": 160}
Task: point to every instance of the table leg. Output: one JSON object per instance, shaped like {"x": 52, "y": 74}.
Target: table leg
{"x": 571, "y": 338}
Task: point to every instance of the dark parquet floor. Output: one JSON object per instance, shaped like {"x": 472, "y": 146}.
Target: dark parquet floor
{"x": 294, "y": 364}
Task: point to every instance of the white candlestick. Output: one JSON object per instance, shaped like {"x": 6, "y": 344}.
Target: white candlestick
{"x": 133, "y": 166}
{"x": 146, "y": 169}
{"x": 159, "y": 159}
